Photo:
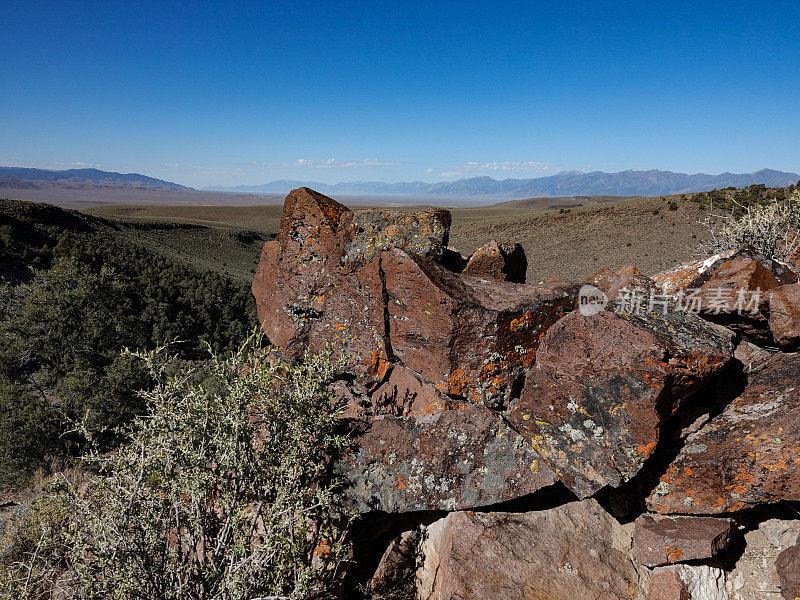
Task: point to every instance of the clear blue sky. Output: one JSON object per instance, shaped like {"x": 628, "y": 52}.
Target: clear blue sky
{"x": 207, "y": 93}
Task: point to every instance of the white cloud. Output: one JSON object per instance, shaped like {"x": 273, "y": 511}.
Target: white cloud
{"x": 527, "y": 165}
{"x": 347, "y": 164}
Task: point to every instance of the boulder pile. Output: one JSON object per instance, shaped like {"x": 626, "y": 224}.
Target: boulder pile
{"x": 514, "y": 440}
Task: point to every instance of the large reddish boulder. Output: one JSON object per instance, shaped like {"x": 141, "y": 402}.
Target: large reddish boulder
{"x": 505, "y": 262}
{"x": 369, "y": 281}
{"x": 470, "y": 337}
{"x": 694, "y": 274}
{"x": 593, "y": 403}
{"x": 564, "y": 553}
{"x": 460, "y": 457}
{"x": 784, "y": 316}
{"x": 321, "y": 280}
{"x": 747, "y": 455}
{"x": 662, "y": 541}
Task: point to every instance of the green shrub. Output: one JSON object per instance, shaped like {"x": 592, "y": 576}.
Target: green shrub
{"x": 772, "y": 229}
{"x": 222, "y": 492}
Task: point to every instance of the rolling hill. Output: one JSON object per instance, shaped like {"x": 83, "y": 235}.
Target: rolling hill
{"x": 24, "y": 178}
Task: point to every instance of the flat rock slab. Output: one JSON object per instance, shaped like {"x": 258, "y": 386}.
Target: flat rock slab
{"x": 447, "y": 460}
{"x": 670, "y": 540}
{"x": 747, "y": 455}
{"x": 565, "y": 553}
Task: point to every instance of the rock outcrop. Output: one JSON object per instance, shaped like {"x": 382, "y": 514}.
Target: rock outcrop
{"x": 747, "y": 455}
{"x": 473, "y": 397}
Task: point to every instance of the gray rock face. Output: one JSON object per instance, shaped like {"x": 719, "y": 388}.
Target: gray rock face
{"x": 446, "y": 460}
{"x": 755, "y": 575}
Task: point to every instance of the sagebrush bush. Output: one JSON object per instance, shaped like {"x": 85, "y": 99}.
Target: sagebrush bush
{"x": 772, "y": 229}
{"x": 221, "y": 492}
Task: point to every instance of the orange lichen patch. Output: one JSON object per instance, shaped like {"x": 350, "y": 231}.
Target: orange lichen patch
{"x": 526, "y": 321}
{"x": 323, "y": 548}
{"x": 458, "y": 382}
{"x": 332, "y": 210}
{"x": 647, "y": 449}
{"x": 379, "y": 364}
{"x": 781, "y": 464}
{"x": 672, "y": 553}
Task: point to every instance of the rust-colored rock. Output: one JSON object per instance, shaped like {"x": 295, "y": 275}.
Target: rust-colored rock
{"x": 615, "y": 284}
{"x": 470, "y": 337}
{"x": 493, "y": 261}
{"x": 321, "y": 280}
{"x": 787, "y": 567}
{"x": 670, "y": 540}
{"x": 566, "y": 553}
{"x": 694, "y": 274}
{"x": 602, "y": 384}
{"x": 784, "y": 316}
{"x": 666, "y": 584}
{"x": 405, "y": 393}
{"x": 747, "y": 455}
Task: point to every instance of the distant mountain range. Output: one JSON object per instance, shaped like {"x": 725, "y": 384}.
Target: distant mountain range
{"x": 566, "y": 183}
{"x": 22, "y": 178}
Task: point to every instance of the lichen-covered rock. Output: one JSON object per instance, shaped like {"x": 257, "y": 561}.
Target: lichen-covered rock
{"x": 593, "y": 403}
{"x": 667, "y": 540}
{"x": 784, "y": 316}
{"x": 493, "y": 261}
{"x": 460, "y": 457}
{"x": 470, "y": 337}
{"x": 747, "y": 455}
{"x": 368, "y": 231}
{"x": 566, "y": 553}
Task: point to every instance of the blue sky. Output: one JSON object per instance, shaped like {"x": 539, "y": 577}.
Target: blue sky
{"x": 207, "y": 93}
